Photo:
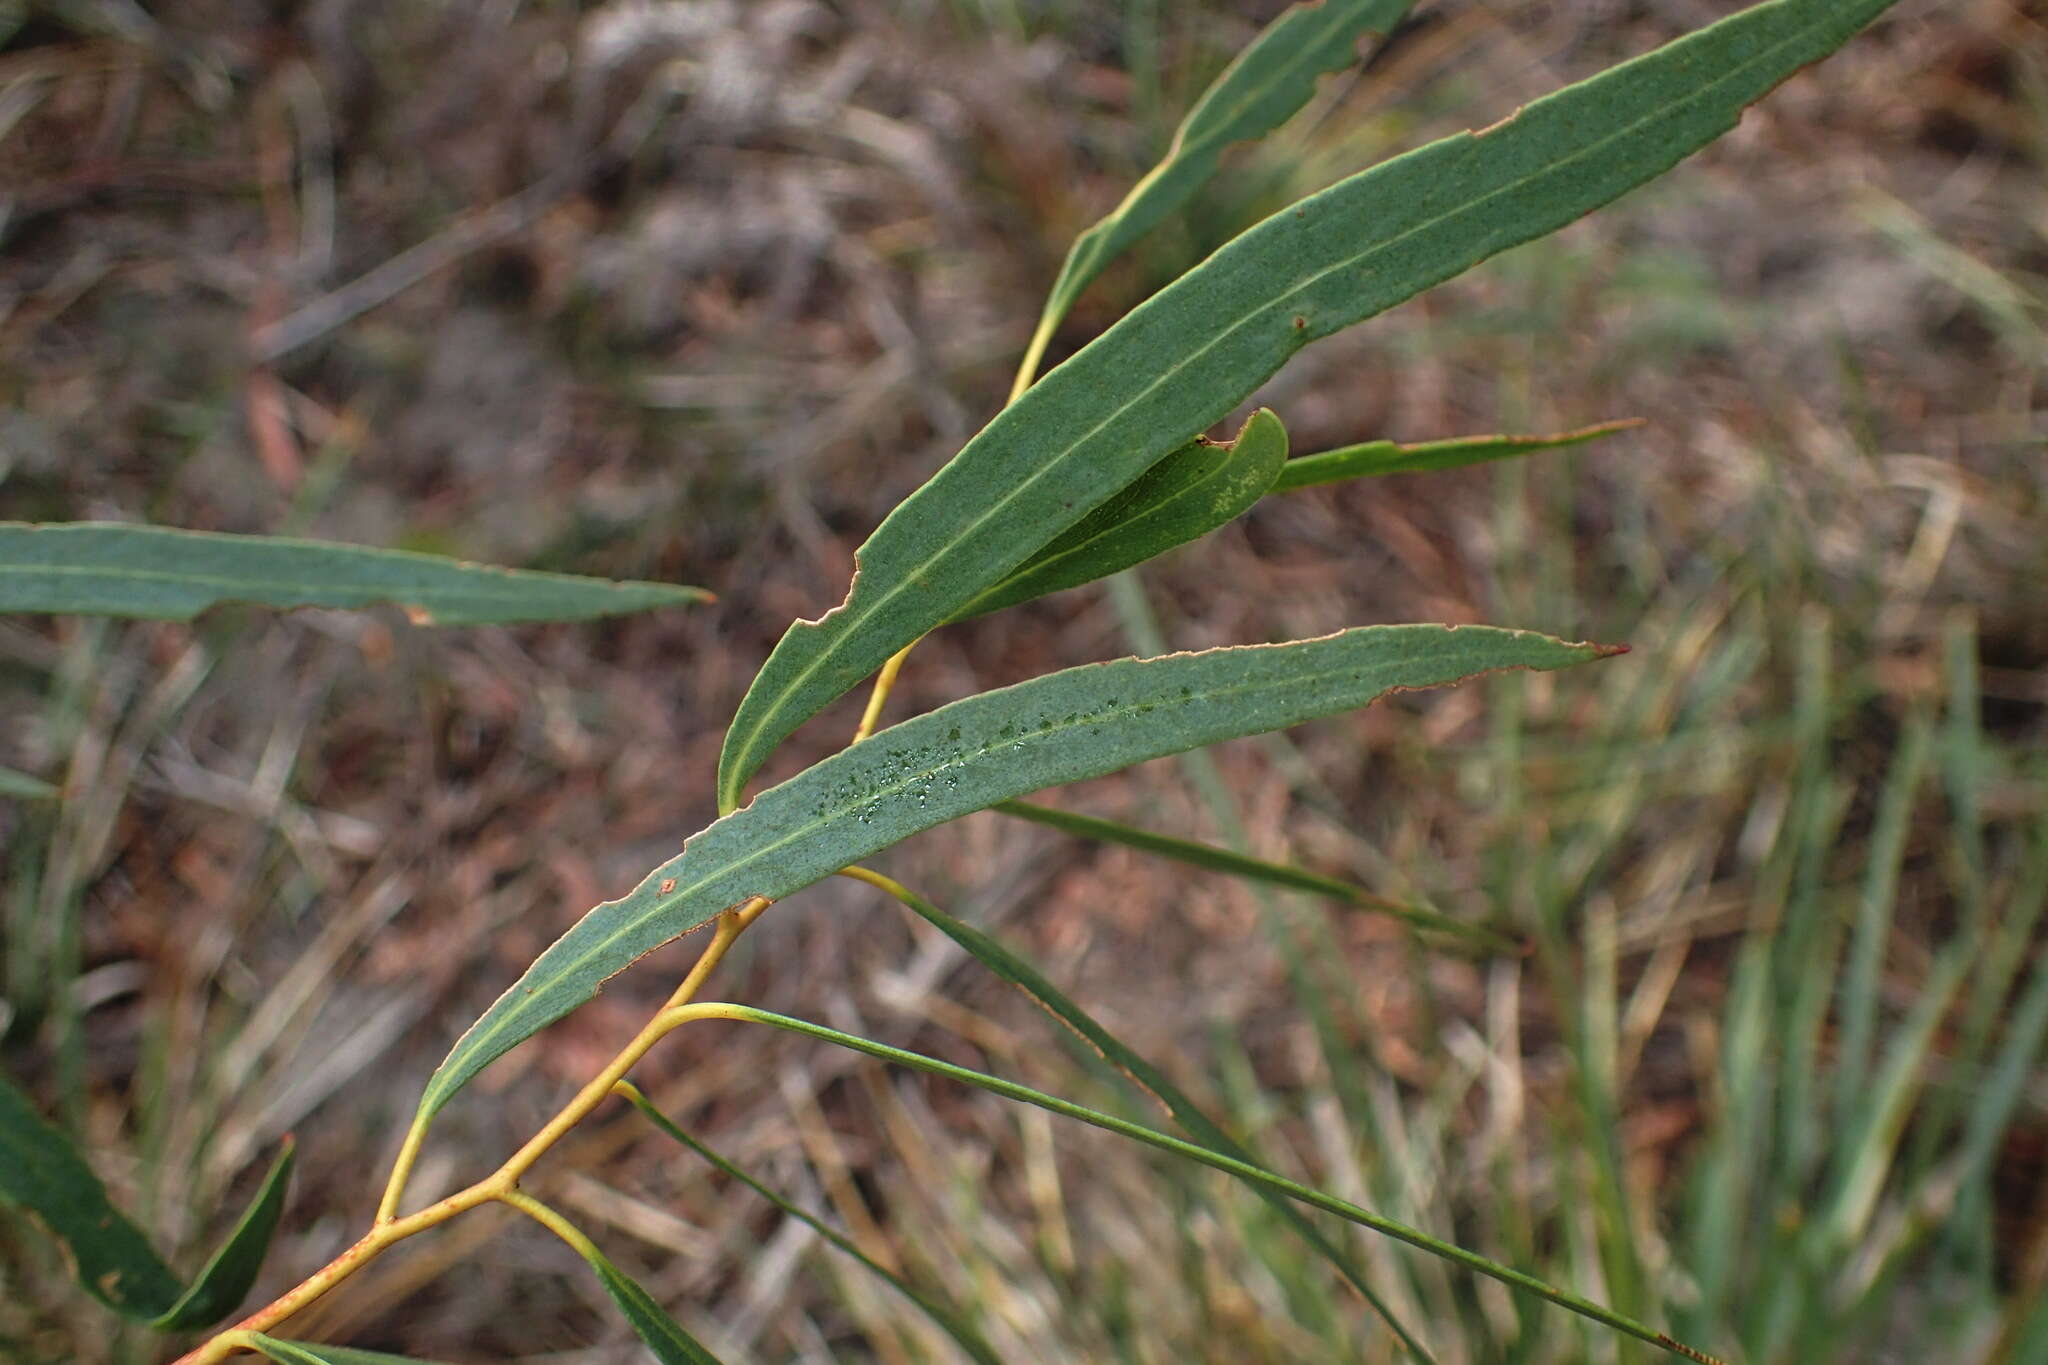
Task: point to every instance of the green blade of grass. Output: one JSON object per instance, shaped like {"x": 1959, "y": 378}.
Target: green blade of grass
{"x": 1875, "y": 906}
{"x": 1966, "y": 1173}
{"x": 1866, "y": 1141}
{"x": 1265, "y": 86}
{"x": 1083, "y": 722}
{"x": 1187, "y": 356}
{"x": 1999, "y": 964}
{"x": 111, "y": 569}
{"x": 1392, "y": 457}
{"x": 42, "y": 1172}
{"x": 318, "y": 1353}
{"x": 1190, "y": 493}
{"x": 2018, "y": 1057}
{"x": 1143, "y": 1076}
{"x": 225, "y": 1280}
{"x": 944, "y": 1318}
{"x": 23, "y": 787}
{"x": 1242, "y": 865}
{"x": 1229, "y": 1165}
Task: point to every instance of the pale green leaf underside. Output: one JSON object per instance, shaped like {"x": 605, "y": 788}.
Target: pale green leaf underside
{"x": 1190, "y": 493}
{"x": 1183, "y": 359}
{"x": 225, "y": 1280}
{"x": 1225, "y": 1162}
{"x": 319, "y": 1353}
{"x": 1147, "y": 1078}
{"x": 1392, "y": 457}
{"x": 1071, "y": 725}
{"x": 115, "y": 569}
{"x": 42, "y": 1172}
{"x": 1266, "y": 85}
{"x": 942, "y": 1317}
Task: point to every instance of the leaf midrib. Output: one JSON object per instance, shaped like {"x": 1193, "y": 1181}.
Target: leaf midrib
{"x": 897, "y": 787}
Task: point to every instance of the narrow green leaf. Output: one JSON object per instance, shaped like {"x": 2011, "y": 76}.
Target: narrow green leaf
{"x": 1265, "y": 86}
{"x": 670, "y": 1343}
{"x": 1252, "y": 869}
{"x": 944, "y": 1318}
{"x": 112, "y": 569}
{"x": 24, "y": 787}
{"x": 225, "y": 1281}
{"x": 319, "y": 1353}
{"x": 42, "y": 1173}
{"x": 1866, "y": 1141}
{"x": 2018, "y": 1057}
{"x": 1877, "y": 904}
{"x": 1146, "y": 1078}
{"x": 1221, "y": 1161}
{"x": 1185, "y": 496}
{"x": 663, "y": 1334}
{"x": 1187, "y": 356}
{"x": 961, "y": 758}
{"x": 1392, "y": 457}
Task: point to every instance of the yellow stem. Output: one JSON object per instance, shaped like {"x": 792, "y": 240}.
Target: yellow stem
{"x": 731, "y": 924}
{"x": 552, "y": 1221}
{"x": 371, "y": 1245}
{"x": 401, "y": 1170}
{"x": 1027, "y": 372}
{"x": 388, "y": 1228}
{"x": 884, "y": 681}
{"x": 888, "y": 885}
{"x": 501, "y": 1183}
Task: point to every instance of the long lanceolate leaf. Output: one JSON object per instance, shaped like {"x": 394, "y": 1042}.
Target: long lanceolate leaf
{"x": 1393, "y": 457}
{"x": 1191, "y": 353}
{"x": 1141, "y": 1073}
{"x": 1242, "y": 865}
{"x": 1216, "y": 1160}
{"x": 1265, "y": 86}
{"x": 671, "y": 1344}
{"x": 948, "y": 1321}
{"x": 109, "y": 569}
{"x": 1076, "y": 724}
{"x": 41, "y": 1172}
{"x": 225, "y": 1280}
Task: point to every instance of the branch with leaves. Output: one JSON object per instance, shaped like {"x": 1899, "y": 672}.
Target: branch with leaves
{"x": 1098, "y": 466}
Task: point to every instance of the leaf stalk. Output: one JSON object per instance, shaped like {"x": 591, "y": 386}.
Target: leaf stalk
{"x": 500, "y": 1186}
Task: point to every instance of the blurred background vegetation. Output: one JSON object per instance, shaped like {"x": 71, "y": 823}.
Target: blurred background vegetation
{"x": 697, "y": 290}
